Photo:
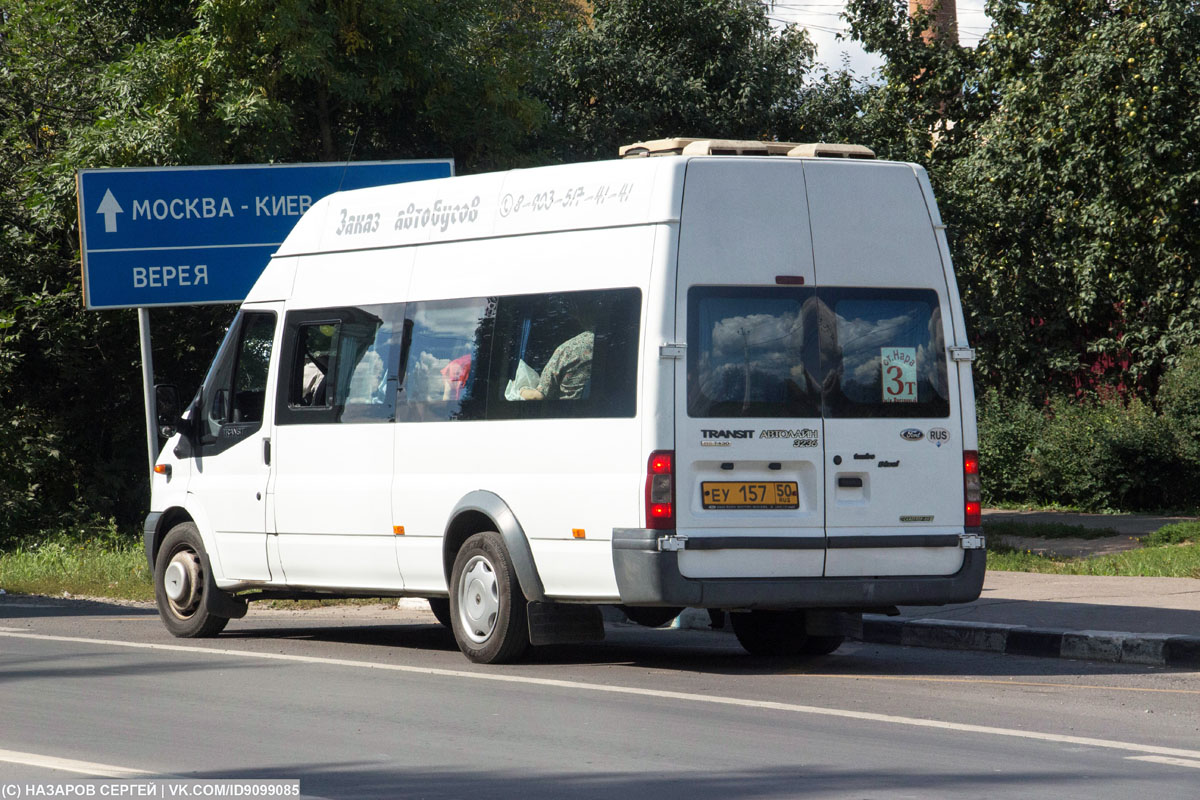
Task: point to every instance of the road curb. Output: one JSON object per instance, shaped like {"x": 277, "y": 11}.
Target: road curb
{"x": 1153, "y": 649}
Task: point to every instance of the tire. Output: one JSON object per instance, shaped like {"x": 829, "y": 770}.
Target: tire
{"x": 440, "y": 606}
{"x": 650, "y": 616}
{"x": 487, "y": 608}
{"x": 821, "y": 645}
{"x": 181, "y": 569}
{"x": 771, "y": 633}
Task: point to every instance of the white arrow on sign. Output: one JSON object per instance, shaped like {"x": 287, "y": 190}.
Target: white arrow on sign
{"x": 109, "y": 207}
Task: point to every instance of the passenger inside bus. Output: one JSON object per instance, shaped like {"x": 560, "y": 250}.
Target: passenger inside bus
{"x": 568, "y": 372}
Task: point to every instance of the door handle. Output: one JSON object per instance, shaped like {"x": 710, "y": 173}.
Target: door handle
{"x": 267, "y": 452}
{"x": 850, "y": 483}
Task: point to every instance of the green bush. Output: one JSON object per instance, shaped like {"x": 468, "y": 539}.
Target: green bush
{"x": 1179, "y": 400}
{"x": 1098, "y": 454}
{"x": 1008, "y": 429}
{"x": 1176, "y": 533}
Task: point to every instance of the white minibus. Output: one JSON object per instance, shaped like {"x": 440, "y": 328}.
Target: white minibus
{"x": 710, "y": 374}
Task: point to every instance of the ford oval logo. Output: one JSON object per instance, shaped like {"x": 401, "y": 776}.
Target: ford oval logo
{"x": 912, "y": 435}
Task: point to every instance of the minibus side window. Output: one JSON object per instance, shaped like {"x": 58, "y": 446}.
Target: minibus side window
{"x": 884, "y": 353}
{"x": 446, "y": 354}
{"x": 254, "y": 359}
{"x": 751, "y": 352}
{"x": 368, "y": 357}
{"x": 342, "y": 365}
{"x": 568, "y": 354}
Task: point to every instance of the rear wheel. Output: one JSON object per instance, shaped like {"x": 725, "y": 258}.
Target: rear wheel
{"x": 821, "y": 645}
{"x": 770, "y": 633}
{"x": 487, "y": 609}
{"x": 650, "y": 616}
{"x": 180, "y": 581}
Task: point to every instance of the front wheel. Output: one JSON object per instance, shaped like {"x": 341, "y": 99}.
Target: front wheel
{"x": 487, "y": 608}
{"x": 440, "y": 606}
{"x": 180, "y": 582}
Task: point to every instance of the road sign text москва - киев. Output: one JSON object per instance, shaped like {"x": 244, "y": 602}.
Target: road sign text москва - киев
{"x": 166, "y": 236}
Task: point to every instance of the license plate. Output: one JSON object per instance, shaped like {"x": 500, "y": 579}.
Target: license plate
{"x": 745, "y": 494}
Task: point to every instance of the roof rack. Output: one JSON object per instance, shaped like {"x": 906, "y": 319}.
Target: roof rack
{"x": 739, "y": 147}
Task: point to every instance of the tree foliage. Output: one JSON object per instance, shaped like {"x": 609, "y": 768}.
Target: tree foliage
{"x": 1069, "y": 179}
{"x": 109, "y": 83}
{"x": 493, "y": 83}
{"x": 1063, "y": 149}
{"x": 652, "y": 69}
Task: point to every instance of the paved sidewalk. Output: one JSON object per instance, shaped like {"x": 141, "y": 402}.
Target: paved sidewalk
{"x": 1134, "y": 620}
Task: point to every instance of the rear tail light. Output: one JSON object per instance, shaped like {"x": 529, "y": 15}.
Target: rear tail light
{"x": 660, "y": 490}
{"x": 971, "y": 489}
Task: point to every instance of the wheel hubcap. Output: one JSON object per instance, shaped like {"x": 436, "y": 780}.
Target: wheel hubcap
{"x": 478, "y": 599}
{"x": 181, "y": 582}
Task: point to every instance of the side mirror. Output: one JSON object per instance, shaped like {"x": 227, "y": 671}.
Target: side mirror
{"x": 168, "y": 418}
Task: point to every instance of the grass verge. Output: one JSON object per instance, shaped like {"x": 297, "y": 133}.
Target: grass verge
{"x": 1162, "y": 561}
{"x": 90, "y": 568}
{"x": 1172, "y": 551}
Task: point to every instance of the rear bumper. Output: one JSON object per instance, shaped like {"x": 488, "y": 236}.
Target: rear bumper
{"x": 648, "y": 576}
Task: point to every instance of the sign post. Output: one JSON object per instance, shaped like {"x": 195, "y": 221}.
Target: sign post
{"x": 148, "y": 385}
{"x": 178, "y": 236}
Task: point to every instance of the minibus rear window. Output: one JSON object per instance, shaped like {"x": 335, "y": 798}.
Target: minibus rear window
{"x": 777, "y": 351}
{"x": 747, "y": 352}
{"x": 885, "y": 355}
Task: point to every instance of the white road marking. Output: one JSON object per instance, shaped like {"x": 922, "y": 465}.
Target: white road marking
{"x": 69, "y": 765}
{"x": 770, "y": 705}
{"x": 1175, "y": 762}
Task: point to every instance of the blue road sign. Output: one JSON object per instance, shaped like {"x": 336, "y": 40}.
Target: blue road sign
{"x": 169, "y": 236}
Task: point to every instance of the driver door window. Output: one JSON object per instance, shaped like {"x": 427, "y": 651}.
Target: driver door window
{"x": 236, "y": 386}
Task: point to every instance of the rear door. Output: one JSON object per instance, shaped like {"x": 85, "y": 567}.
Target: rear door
{"x": 893, "y": 431}
{"x": 749, "y": 439}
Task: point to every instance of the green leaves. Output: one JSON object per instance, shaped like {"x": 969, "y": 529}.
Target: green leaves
{"x": 94, "y": 83}
{"x": 650, "y": 69}
{"x": 1069, "y": 181}
{"x": 1063, "y": 148}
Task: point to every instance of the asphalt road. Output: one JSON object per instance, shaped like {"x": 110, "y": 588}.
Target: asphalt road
{"x": 363, "y": 703}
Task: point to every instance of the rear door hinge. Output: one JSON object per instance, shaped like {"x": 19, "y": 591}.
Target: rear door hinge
{"x": 972, "y": 541}
{"x": 672, "y": 350}
{"x": 962, "y": 354}
{"x": 672, "y": 544}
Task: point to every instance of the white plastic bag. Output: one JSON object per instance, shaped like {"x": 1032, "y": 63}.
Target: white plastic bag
{"x": 526, "y": 378}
